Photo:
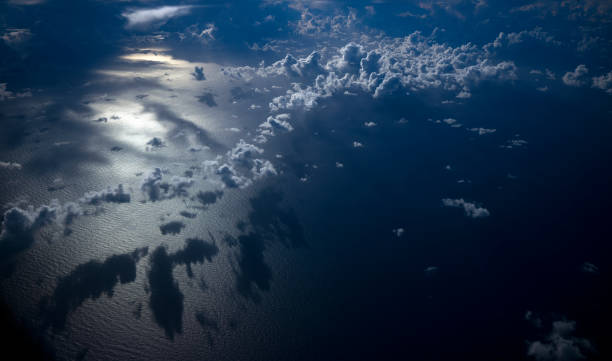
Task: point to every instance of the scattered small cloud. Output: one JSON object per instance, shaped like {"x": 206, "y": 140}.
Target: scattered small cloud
{"x": 588, "y": 267}
{"x": 471, "y": 210}
{"x": 398, "y": 232}
{"x": 10, "y": 165}
{"x": 603, "y": 82}
{"x": 482, "y": 131}
{"x": 516, "y": 142}
{"x": 559, "y": 344}
{"x": 431, "y": 270}
{"x": 576, "y": 78}
{"x": 111, "y": 195}
{"x": 6, "y": 94}
{"x": 14, "y": 36}
{"x": 156, "y": 187}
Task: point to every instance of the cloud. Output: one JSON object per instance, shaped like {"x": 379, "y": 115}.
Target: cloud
{"x": 26, "y": 2}
{"x": 311, "y": 24}
{"x": 239, "y": 167}
{"x": 110, "y": 195}
{"x": 513, "y": 38}
{"x": 392, "y": 67}
{"x": 574, "y": 78}
{"x": 14, "y": 36}
{"x": 431, "y": 270}
{"x": 20, "y": 225}
{"x": 156, "y": 188}
{"x": 398, "y": 232}
{"x": 6, "y": 94}
{"x": 603, "y": 82}
{"x": 274, "y": 123}
{"x": 590, "y": 10}
{"x": 516, "y": 142}
{"x": 149, "y": 18}
{"x": 471, "y": 209}
{"x": 588, "y": 267}
{"x": 204, "y": 35}
{"x": 10, "y": 165}
{"x": 349, "y": 59}
{"x": 307, "y": 67}
{"x": 560, "y": 344}
{"x": 482, "y": 131}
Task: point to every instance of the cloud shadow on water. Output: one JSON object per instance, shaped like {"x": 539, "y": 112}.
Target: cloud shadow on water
{"x": 208, "y": 99}
{"x": 164, "y": 114}
{"x": 88, "y": 281}
{"x": 268, "y": 221}
{"x": 253, "y": 269}
{"x": 209, "y": 197}
{"x": 209, "y": 326}
{"x": 172, "y": 227}
{"x": 166, "y": 298}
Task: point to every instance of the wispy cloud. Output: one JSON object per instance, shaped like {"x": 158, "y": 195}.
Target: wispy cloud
{"x": 147, "y": 18}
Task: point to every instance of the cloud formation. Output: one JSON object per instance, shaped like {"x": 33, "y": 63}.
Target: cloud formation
{"x": 392, "y": 66}
{"x": 603, "y": 82}
{"x": 10, "y": 165}
{"x": 560, "y": 344}
{"x": 576, "y": 78}
{"x": 110, "y": 195}
{"x": 482, "y": 131}
{"x": 20, "y": 225}
{"x": 141, "y": 19}
{"x": 274, "y": 123}
{"x": 471, "y": 209}
{"x": 239, "y": 167}
{"x": 156, "y": 188}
